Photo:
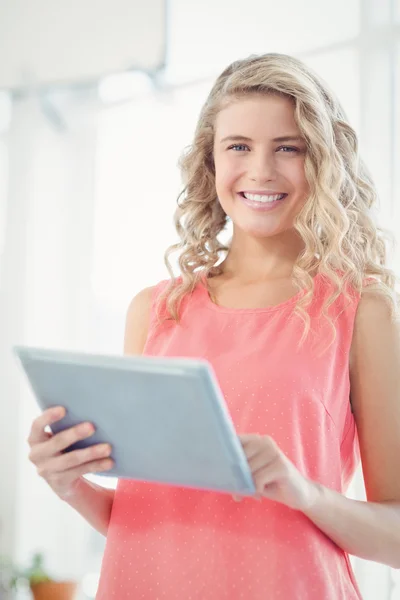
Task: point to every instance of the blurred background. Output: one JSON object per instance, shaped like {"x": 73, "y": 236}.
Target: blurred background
{"x": 97, "y": 101}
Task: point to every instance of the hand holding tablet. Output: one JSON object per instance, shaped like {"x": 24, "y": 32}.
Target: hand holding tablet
{"x": 63, "y": 470}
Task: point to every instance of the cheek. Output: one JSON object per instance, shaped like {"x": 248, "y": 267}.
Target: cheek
{"x": 296, "y": 175}
{"x": 226, "y": 173}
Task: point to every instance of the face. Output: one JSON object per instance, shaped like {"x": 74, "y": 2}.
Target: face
{"x": 259, "y": 164}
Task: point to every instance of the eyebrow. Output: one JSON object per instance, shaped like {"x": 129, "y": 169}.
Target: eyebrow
{"x": 242, "y": 138}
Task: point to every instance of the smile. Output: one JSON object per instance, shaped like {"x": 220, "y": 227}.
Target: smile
{"x": 256, "y": 197}
{"x": 262, "y": 202}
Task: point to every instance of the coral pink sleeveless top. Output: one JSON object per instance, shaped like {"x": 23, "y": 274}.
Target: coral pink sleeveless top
{"x": 172, "y": 543}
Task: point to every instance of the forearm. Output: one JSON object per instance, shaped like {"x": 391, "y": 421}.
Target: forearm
{"x": 93, "y": 502}
{"x": 369, "y": 530}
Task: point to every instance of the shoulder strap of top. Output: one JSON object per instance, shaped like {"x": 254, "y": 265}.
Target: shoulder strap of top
{"x": 157, "y": 291}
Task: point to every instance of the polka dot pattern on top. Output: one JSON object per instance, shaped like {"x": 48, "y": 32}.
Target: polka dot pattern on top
{"x": 171, "y": 543}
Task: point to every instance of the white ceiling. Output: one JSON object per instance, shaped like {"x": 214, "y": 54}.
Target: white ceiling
{"x": 70, "y": 41}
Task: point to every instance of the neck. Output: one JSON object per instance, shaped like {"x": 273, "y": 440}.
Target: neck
{"x": 259, "y": 259}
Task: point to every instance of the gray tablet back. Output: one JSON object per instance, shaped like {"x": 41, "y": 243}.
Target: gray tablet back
{"x": 165, "y": 418}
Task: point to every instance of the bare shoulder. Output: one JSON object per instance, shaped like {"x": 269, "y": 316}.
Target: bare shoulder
{"x": 137, "y": 321}
{"x": 373, "y": 303}
{"x": 375, "y": 393}
{"x": 374, "y": 323}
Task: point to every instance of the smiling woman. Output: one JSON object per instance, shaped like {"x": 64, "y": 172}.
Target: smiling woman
{"x": 274, "y": 154}
{"x": 301, "y": 435}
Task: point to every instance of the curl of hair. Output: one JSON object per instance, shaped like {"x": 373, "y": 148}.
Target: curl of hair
{"x": 337, "y": 225}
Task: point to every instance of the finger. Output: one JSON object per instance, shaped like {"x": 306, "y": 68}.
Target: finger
{"x": 260, "y": 460}
{"x": 59, "y": 442}
{"x": 252, "y": 452}
{"x": 252, "y": 449}
{"x": 266, "y": 478}
{"x": 247, "y": 438}
{"x": 37, "y": 433}
{"x": 66, "y": 478}
{"x": 252, "y": 444}
{"x": 74, "y": 459}
{"x": 250, "y": 438}
{"x": 63, "y": 440}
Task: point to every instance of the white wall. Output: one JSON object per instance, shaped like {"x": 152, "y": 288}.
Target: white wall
{"x": 46, "y": 42}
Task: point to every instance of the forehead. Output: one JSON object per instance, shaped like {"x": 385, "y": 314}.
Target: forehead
{"x": 257, "y": 116}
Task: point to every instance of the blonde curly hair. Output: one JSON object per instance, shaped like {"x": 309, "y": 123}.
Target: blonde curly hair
{"x": 336, "y": 224}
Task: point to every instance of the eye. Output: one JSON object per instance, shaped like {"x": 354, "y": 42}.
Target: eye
{"x": 289, "y": 149}
{"x": 238, "y": 147}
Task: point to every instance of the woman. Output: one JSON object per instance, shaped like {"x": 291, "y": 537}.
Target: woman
{"x": 298, "y": 320}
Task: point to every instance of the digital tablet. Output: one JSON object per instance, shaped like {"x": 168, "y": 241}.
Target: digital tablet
{"x": 165, "y": 418}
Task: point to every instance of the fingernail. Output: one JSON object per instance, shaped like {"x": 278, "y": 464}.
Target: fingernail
{"x": 87, "y": 428}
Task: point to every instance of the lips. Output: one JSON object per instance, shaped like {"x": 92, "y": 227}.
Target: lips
{"x": 262, "y": 202}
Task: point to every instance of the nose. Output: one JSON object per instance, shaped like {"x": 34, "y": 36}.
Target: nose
{"x": 262, "y": 168}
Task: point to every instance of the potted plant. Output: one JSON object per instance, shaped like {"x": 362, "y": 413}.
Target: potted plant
{"x": 42, "y": 586}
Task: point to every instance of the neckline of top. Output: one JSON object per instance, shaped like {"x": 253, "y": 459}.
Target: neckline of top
{"x": 209, "y": 303}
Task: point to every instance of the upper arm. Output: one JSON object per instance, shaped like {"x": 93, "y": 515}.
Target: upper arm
{"x": 137, "y": 322}
{"x": 136, "y": 330}
{"x": 375, "y": 394}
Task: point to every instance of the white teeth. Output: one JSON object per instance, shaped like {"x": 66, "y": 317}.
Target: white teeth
{"x": 262, "y": 198}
